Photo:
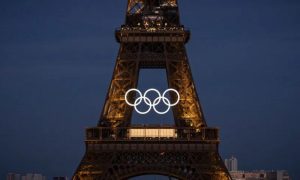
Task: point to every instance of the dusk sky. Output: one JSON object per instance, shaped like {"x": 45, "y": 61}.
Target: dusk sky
{"x": 57, "y": 59}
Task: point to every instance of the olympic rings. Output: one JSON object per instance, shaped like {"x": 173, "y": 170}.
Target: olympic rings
{"x": 152, "y": 104}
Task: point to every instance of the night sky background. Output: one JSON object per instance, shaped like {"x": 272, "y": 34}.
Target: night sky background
{"x": 57, "y": 59}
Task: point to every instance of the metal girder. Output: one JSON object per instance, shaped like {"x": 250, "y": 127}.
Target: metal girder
{"x": 188, "y": 111}
{"x": 135, "y": 6}
{"x": 115, "y": 111}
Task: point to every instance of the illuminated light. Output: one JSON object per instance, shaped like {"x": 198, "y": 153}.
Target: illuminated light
{"x": 152, "y": 133}
{"x": 152, "y": 104}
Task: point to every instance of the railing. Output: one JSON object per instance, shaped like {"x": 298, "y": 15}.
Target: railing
{"x": 154, "y": 133}
{"x": 167, "y": 34}
{"x": 158, "y": 29}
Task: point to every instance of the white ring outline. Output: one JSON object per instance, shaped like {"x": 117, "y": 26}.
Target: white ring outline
{"x": 178, "y": 96}
{"x": 162, "y": 112}
{"x": 126, "y": 94}
{"x": 151, "y": 104}
{"x": 155, "y": 90}
{"x": 141, "y": 112}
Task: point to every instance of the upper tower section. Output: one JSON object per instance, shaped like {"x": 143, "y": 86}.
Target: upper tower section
{"x": 157, "y": 20}
{"x": 152, "y": 14}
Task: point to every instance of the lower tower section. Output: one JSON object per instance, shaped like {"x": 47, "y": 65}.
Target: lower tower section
{"x": 179, "y": 152}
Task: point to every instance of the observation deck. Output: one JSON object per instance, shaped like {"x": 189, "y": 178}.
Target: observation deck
{"x": 152, "y": 138}
{"x": 138, "y": 34}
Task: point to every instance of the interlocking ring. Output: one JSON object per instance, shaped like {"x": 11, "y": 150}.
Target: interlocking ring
{"x": 154, "y": 103}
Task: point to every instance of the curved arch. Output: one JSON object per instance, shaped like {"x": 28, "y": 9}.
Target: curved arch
{"x": 136, "y": 174}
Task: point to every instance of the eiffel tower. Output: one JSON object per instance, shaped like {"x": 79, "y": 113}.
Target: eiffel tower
{"x": 152, "y": 37}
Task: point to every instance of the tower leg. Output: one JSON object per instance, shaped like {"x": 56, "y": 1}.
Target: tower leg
{"x": 115, "y": 110}
{"x": 188, "y": 112}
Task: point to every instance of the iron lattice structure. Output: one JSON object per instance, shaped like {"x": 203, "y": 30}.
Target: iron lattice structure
{"x": 152, "y": 37}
